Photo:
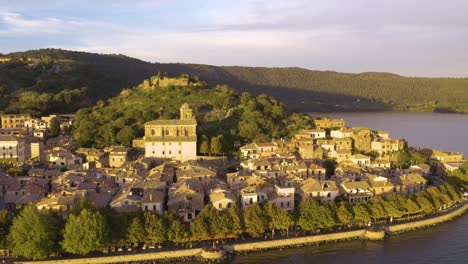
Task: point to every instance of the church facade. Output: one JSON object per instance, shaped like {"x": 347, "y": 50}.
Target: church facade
{"x": 174, "y": 139}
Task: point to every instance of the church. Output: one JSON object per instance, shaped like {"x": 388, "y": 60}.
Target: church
{"x": 174, "y": 139}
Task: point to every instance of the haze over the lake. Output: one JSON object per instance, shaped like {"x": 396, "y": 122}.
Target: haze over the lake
{"x": 408, "y": 37}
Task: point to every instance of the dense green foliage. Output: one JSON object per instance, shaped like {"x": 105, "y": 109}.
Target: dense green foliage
{"x": 460, "y": 177}
{"x": 34, "y": 234}
{"x": 53, "y": 71}
{"x": 85, "y": 233}
{"x": 5, "y": 223}
{"x": 64, "y": 81}
{"x": 122, "y": 118}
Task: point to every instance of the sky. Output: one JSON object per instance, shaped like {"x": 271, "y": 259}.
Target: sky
{"x": 407, "y": 37}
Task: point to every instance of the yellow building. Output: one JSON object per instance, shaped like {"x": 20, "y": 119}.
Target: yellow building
{"x": 384, "y": 147}
{"x": 447, "y": 157}
{"x": 326, "y": 122}
{"x": 118, "y": 156}
{"x": 15, "y": 120}
{"x": 174, "y": 139}
{"x": 362, "y": 138}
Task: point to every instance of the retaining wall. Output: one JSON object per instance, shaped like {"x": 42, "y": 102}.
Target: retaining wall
{"x": 428, "y": 222}
{"x": 176, "y": 254}
{"x": 358, "y": 234}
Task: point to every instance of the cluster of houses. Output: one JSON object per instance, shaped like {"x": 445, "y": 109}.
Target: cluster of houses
{"x": 169, "y": 175}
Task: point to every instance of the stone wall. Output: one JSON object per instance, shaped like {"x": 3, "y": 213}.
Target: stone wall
{"x": 176, "y": 254}
{"x": 358, "y": 234}
{"x": 428, "y": 222}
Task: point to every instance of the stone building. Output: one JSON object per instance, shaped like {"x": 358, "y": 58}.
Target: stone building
{"x": 15, "y": 120}
{"x": 174, "y": 139}
{"x": 12, "y": 149}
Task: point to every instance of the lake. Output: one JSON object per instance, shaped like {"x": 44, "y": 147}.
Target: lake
{"x": 447, "y": 132}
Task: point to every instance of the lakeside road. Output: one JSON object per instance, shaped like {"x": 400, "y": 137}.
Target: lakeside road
{"x": 189, "y": 254}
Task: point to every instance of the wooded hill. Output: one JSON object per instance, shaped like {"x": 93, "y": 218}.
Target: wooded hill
{"x": 52, "y": 71}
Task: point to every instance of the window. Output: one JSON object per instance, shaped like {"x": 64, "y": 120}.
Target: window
{"x": 282, "y": 204}
{"x": 220, "y": 205}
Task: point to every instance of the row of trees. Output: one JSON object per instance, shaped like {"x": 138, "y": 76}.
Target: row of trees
{"x": 217, "y": 145}
{"x": 38, "y": 234}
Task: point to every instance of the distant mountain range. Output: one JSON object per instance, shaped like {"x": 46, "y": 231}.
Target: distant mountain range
{"x": 51, "y": 71}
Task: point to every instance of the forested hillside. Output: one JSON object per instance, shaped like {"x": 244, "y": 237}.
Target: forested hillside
{"x": 308, "y": 90}
{"x": 83, "y": 78}
{"x": 223, "y": 115}
{"x": 51, "y": 80}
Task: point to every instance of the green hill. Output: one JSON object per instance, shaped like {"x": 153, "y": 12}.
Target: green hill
{"x": 53, "y": 71}
{"x": 52, "y": 80}
{"x": 221, "y": 113}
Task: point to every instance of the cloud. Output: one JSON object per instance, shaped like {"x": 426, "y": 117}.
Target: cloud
{"x": 411, "y": 37}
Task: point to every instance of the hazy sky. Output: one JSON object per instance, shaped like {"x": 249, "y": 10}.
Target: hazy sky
{"x": 409, "y": 37}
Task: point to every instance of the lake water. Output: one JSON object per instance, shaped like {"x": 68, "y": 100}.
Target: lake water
{"x": 448, "y": 132}
{"x": 446, "y": 243}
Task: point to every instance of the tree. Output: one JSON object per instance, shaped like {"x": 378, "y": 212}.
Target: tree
{"x": 311, "y": 216}
{"x": 205, "y": 145}
{"x": 85, "y": 233}
{"x": 254, "y": 220}
{"x": 277, "y": 219}
{"x": 201, "y": 225}
{"x": 136, "y": 232}
{"x": 126, "y": 135}
{"x": 237, "y": 225}
{"x": 34, "y": 234}
{"x": 5, "y": 223}
{"x": 54, "y": 129}
{"x": 330, "y": 166}
{"x": 220, "y": 223}
{"x": 217, "y": 147}
{"x": 360, "y": 213}
{"x": 83, "y": 203}
{"x": 343, "y": 214}
{"x": 154, "y": 225}
{"x": 423, "y": 203}
{"x": 376, "y": 208}
{"x": 177, "y": 232}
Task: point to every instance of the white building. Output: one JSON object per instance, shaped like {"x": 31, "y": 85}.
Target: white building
{"x": 174, "y": 139}
{"x": 12, "y": 148}
{"x": 341, "y": 133}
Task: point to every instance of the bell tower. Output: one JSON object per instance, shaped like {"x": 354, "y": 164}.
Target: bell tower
{"x": 186, "y": 112}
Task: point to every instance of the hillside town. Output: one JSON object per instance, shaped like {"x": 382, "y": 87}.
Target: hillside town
{"x": 162, "y": 170}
